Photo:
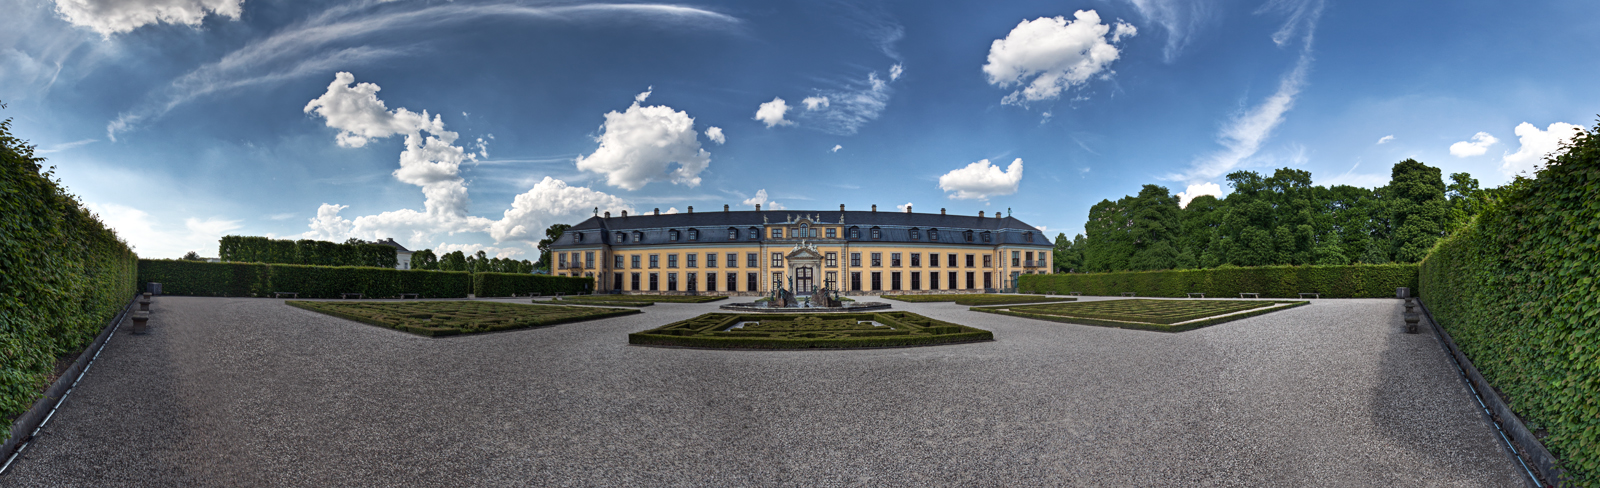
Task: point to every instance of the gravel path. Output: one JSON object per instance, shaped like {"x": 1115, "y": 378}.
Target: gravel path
{"x": 227, "y": 392}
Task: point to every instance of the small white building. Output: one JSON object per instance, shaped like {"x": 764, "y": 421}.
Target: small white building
{"x": 402, "y": 256}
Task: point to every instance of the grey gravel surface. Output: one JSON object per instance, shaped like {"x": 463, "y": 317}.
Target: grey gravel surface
{"x": 228, "y": 392}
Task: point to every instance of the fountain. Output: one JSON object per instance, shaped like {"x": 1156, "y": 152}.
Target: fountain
{"x": 823, "y": 300}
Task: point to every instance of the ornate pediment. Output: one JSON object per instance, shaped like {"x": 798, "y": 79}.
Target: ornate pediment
{"x": 804, "y": 250}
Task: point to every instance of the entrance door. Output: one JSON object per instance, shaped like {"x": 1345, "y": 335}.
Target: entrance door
{"x": 803, "y": 278}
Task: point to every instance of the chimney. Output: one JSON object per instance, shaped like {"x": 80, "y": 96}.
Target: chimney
{"x": 691, "y": 209}
{"x": 908, "y": 208}
{"x": 608, "y": 214}
{"x": 941, "y": 211}
{"x": 980, "y": 214}
{"x": 658, "y": 212}
{"x": 724, "y": 207}
{"x": 624, "y": 214}
{"x": 758, "y": 207}
{"x": 874, "y": 207}
{"x": 841, "y": 207}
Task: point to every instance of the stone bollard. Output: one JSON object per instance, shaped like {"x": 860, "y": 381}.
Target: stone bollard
{"x": 139, "y": 320}
{"x": 144, "y": 305}
{"x": 1412, "y": 317}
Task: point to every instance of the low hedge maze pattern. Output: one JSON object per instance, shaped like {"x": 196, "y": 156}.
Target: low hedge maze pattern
{"x": 978, "y": 300}
{"x": 765, "y": 331}
{"x": 446, "y": 318}
{"x": 1157, "y": 315}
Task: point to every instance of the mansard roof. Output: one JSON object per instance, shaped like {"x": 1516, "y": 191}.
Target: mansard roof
{"x": 713, "y": 227}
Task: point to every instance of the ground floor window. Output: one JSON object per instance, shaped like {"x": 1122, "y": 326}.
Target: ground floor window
{"x": 987, "y": 282}
{"x": 971, "y": 283}
{"x": 916, "y": 281}
{"x": 877, "y": 280}
{"x": 655, "y": 281}
{"x": 733, "y": 281}
{"x": 933, "y": 280}
{"x": 694, "y": 282}
{"x": 711, "y": 279}
{"x": 953, "y": 285}
{"x": 752, "y": 283}
{"x": 855, "y": 281}
{"x": 616, "y": 281}
{"x": 777, "y": 280}
{"x": 672, "y": 281}
{"x": 832, "y": 281}
{"x": 894, "y": 281}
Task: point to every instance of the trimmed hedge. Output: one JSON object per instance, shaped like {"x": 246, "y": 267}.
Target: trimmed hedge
{"x": 1001, "y": 310}
{"x": 978, "y": 300}
{"x": 508, "y": 284}
{"x": 198, "y": 278}
{"x": 1519, "y": 290}
{"x": 305, "y": 251}
{"x": 63, "y": 275}
{"x": 833, "y": 330}
{"x": 440, "y": 319}
{"x": 1354, "y": 281}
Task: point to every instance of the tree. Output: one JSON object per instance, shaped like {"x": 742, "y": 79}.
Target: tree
{"x": 453, "y": 261}
{"x": 1068, "y": 254}
{"x": 551, "y": 234}
{"x": 424, "y": 259}
{"x": 192, "y": 256}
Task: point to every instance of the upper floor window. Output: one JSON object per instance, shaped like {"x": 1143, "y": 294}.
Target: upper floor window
{"x": 987, "y": 236}
{"x": 1027, "y": 236}
{"x": 577, "y": 237}
{"x": 877, "y": 259}
{"x": 916, "y": 259}
{"x": 831, "y": 259}
{"x": 777, "y": 260}
{"x": 777, "y": 232}
{"x": 933, "y": 234}
{"x": 855, "y": 232}
{"x": 672, "y": 260}
{"x": 833, "y": 233}
{"x": 967, "y": 235}
{"x": 689, "y": 260}
{"x": 618, "y": 260}
{"x": 755, "y": 233}
{"x": 733, "y": 234}
{"x": 621, "y": 238}
{"x": 750, "y": 260}
{"x": 855, "y": 259}
{"x": 638, "y": 236}
{"x": 877, "y": 233}
{"x": 672, "y": 235}
{"x": 694, "y": 234}
{"x": 916, "y": 234}
{"x": 635, "y": 260}
{"x": 894, "y": 259}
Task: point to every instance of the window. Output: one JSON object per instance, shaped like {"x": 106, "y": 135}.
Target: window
{"x": 952, "y": 284}
{"x": 933, "y": 234}
{"x": 877, "y": 260}
{"x": 754, "y": 233}
{"x": 672, "y": 235}
{"x": 916, "y": 260}
{"x": 916, "y": 234}
{"x": 916, "y": 281}
{"x": 832, "y": 282}
{"x": 970, "y": 284}
{"x": 694, "y": 234}
{"x": 672, "y": 281}
{"x": 616, "y": 281}
{"x": 617, "y": 259}
{"x": 777, "y": 233}
{"x": 694, "y": 281}
{"x": 894, "y": 259}
{"x": 969, "y": 260}
{"x": 986, "y": 236}
{"x": 711, "y": 280}
{"x": 635, "y": 286}
{"x": 855, "y": 232}
{"x": 733, "y": 260}
{"x": 672, "y": 260}
{"x": 733, "y": 234}
{"x": 752, "y": 283}
{"x": 967, "y": 235}
{"x": 733, "y": 281}
{"x": 655, "y": 261}
{"x": 621, "y": 238}
{"x": 952, "y": 261}
{"x": 777, "y": 260}
{"x": 877, "y": 280}
{"x": 563, "y": 260}
{"x": 638, "y": 236}
{"x": 933, "y": 281}
{"x": 855, "y": 281}
{"x": 877, "y": 233}
{"x": 803, "y": 231}
{"x": 1016, "y": 258}
{"x": 855, "y": 259}
{"x": 750, "y": 261}
{"x": 711, "y": 262}
{"x": 689, "y": 261}
{"x": 1027, "y": 237}
{"x": 987, "y": 280}
{"x": 831, "y": 260}
{"x": 577, "y": 237}
{"x": 933, "y": 260}
{"x": 635, "y": 261}
{"x": 777, "y": 280}
{"x": 833, "y": 233}
{"x": 655, "y": 280}
{"x": 894, "y": 281}
{"x": 987, "y": 260}
{"x": 588, "y": 259}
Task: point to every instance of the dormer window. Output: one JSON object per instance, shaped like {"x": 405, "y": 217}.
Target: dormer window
{"x": 754, "y": 233}
{"x": 1027, "y": 236}
{"x": 916, "y": 234}
{"x": 968, "y": 235}
{"x": 638, "y": 236}
{"x": 933, "y": 234}
{"x": 855, "y": 232}
{"x": 621, "y": 238}
{"x": 577, "y": 237}
{"x": 987, "y": 236}
{"x": 877, "y": 233}
{"x": 672, "y": 235}
{"x": 733, "y": 234}
{"x": 694, "y": 234}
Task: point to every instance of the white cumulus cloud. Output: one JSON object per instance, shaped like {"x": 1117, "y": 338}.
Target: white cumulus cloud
{"x": 1476, "y": 147}
{"x": 1194, "y": 191}
{"x": 109, "y": 17}
{"x": 761, "y": 199}
{"x": 903, "y": 208}
{"x": 815, "y": 103}
{"x": 360, "y": 116}
{"x": 639, "y": 145}
{"x": 1385, "y": 139}
{"x": 771, "y": 113}
{"x": 1049, "y": 54}
{"x": 472, "y": 249}
{"x": 549, "y": 202}
{"x": 836, "y": 148}
{"x": 895, "y": 72}
{"x": 152, "y": 238}
{"x": 981, "y": 180}
{"x": 1536, "y": 144}
{"x": 715, "y": 135}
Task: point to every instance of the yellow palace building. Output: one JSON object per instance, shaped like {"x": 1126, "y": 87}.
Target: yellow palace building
{"x": 751, "y": 252}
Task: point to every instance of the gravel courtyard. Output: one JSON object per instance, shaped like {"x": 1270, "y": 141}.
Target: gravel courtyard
{"x": 227, "y": 392}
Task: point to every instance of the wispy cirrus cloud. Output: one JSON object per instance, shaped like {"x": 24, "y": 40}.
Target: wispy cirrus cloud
{"x": 345, "y": 37}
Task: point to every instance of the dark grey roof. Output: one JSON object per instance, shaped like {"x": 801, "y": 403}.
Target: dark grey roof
{"x": 391, "y": 243}
{"x": 713, "y": 227}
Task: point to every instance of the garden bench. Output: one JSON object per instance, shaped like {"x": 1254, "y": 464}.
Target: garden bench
{"x": 1192, "y": 295}
{"x": 280, "y": 294}
{"x": 558, "y": 294}
{"x": 1252, "y": 295}
{"x": 1313, "y": 295}
{"x": 1127, "y": 293}
{"x": 1075, "y": 293}
{"x": 534, "y": 295}
{"x": 404, "y": 296}
{"x": 348, "y": 295}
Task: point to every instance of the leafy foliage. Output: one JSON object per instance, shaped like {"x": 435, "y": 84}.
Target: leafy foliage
{"x": 424, "y": 259}
{"x": 353, "y": 252}
{"x": 178, "y": 277}
{"x": 550, "y": 236}
{"x": 63, "y": 275}
{"x": 1354, "y": 281}
{"x": 774, "y": 331}
{"x": 508, "y": 284}
{"x": 437, "y": 319}
{"x": 1519, "y": 291}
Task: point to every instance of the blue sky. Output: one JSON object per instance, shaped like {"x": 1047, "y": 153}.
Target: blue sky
{"x": 475, "y": 124}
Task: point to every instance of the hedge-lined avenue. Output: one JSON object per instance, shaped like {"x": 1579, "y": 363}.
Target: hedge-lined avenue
{"x": 1354, "y": 281}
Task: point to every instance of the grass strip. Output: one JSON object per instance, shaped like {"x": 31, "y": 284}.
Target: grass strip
{"x": 1178, "y": 326}
{"x": 457, "y": 317}
{"x": 978, "y": 300}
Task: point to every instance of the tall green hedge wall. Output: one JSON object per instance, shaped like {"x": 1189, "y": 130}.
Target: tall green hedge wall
{"x": 1353, "y": 281}
{"x": 63, "y": 275}
{"x": 1519, "y": 290}
{"x": 305, "y": 251}
{"x": 507, "y": 284}
{"x": 200, "y": 278}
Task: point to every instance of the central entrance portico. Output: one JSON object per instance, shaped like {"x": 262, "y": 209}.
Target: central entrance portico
{"x": 804, "y": 261}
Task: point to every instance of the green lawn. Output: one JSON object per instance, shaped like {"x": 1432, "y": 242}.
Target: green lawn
{"x": 444, "y": 318}
{"x": 801, "y": 331}
{"x": 1160, "y": 315}
{"x": 976, "y": 299}
{"x": 638, "y": 299}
